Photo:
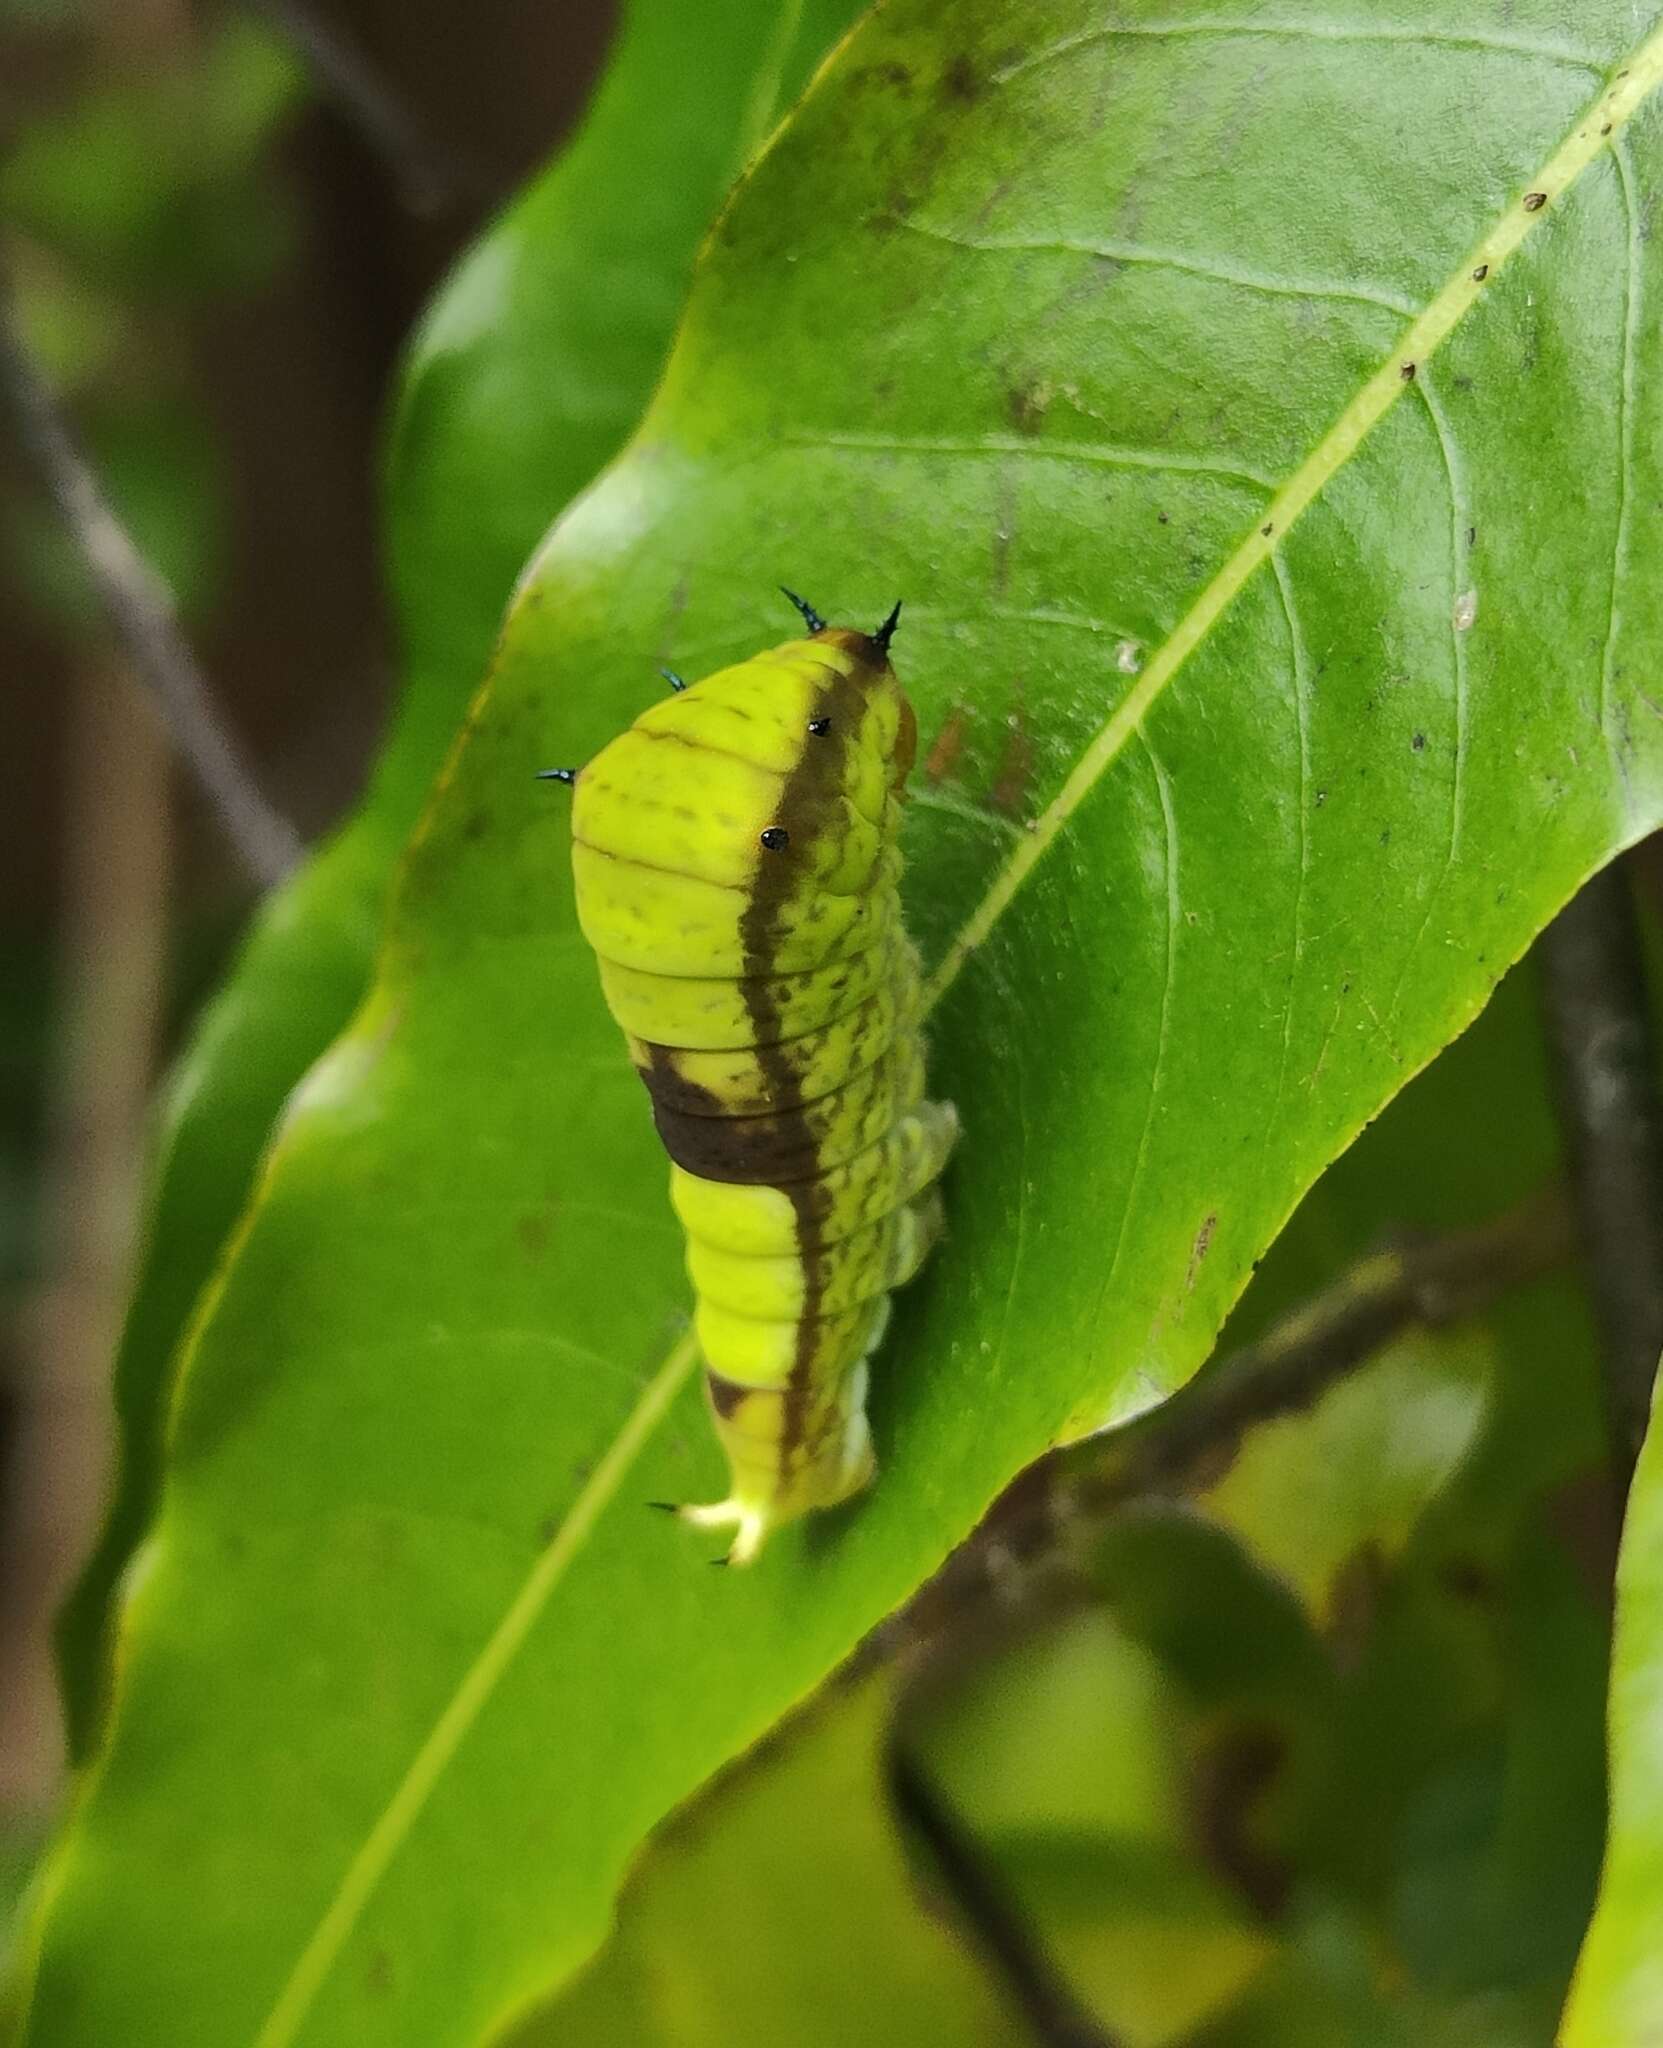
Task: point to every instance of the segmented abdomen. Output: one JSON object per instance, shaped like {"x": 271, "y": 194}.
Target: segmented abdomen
{"x": 737, "y": 873}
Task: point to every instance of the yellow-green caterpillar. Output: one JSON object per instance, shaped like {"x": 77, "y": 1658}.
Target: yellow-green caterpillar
{"x": 737, "y": 865}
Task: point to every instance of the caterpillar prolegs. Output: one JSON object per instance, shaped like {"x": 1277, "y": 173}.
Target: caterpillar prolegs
{"x": 737, "y": 865}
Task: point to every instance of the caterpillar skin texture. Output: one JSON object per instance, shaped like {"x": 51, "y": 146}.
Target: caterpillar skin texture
{"x": 737, "y": 865}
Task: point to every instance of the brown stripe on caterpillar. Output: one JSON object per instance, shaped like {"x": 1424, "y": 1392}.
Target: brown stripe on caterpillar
{"x": 809, "y": 791}
{"x": 750, "y": 1151}
{"x": 725, "y": 1394}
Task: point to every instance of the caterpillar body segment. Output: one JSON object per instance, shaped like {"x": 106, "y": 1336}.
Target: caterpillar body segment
{"x": 737, "y": 867}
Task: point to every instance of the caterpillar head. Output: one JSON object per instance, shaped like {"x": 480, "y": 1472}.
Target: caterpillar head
{"x": 746, "y": 824}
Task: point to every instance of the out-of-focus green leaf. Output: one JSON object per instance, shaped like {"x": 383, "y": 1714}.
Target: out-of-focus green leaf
{"x": 532, "y": 366}
{"x": 1377, "y": 1764}
{"x": 147, "y": 181}
{"x": 1617, "y": 1998}
{"x": 1279, "y": 782}
{"x": 781, "y": 1909}
{"x": 71, "y": 328}
{"x": 1315, "y": 1490}
{"x": 1064, "y": 1760}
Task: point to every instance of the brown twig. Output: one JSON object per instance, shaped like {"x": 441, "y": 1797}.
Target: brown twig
{"x": 1053, "y": 1511}
{"x": 431, "y": 179}
{"x": 993, "y": 1923}
{"x": 1605, "y": 1068}
{"x": 109, "y": 972}
{"x": 141, "y": 611}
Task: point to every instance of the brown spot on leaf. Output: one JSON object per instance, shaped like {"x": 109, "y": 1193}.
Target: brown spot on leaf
{"x": 960, "y": 81}
{"x": 1353, "y": 1603}
{"x": 533, "y": 1233}
{"x": 1535, "y": 201}
{"x": 1027, "y": 404}
{"x": 1011, "y": 785}
{"x": 1199, "y": 1250}
{"x": 1469, "y": 1579}
{"x": 943, "y": 756}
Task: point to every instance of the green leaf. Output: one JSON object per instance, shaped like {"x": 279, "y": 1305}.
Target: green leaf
{"x": 743, "y": 1918}
{"x": 1042, "y": 326}
{"x": 1094, "y": 1841}
{"x": 527, "y": 374}
{"x": 1617, "y": 1996}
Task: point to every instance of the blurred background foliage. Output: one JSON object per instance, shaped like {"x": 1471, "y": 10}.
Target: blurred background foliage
{"x": 214, "y": 254}
{"x": 1310, "y": 1755}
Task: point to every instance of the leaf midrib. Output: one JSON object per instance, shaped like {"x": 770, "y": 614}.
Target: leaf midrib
{"x": 1597, "y": 128}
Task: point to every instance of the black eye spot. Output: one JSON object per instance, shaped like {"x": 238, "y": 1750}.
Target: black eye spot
{"x": 776, "y": 839}
{"x": 819, "y": 727}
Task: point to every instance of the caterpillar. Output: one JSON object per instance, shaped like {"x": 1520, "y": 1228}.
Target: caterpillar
{"x": 737, "y": 867}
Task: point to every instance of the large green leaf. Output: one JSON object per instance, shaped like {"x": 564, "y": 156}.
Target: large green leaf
{"x": 1314, "y": 687}
{"x": 1618, "y": 1993}
{"x": 528, "y": 373}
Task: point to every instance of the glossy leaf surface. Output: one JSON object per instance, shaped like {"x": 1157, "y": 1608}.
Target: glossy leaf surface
{"x": 530, "y": 370}
{"x": 1262, "y": 423}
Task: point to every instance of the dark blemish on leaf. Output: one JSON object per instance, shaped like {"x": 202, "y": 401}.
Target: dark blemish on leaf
{"x": 775, "y": 838}
{"x": 477, "y": 824}
{"x": 895, "y": 212}
{"x": 1199, "y": 1250}
{"x": 1419, "y": 742}
{"x": 1164, "y": 517}
{"x": 1481, "y": 273}
{"x": 1345, "y": 988}
{"x": 1027, "y": 405}
{"x": 1535, "y": 201}
{"x": 1468, "y": 1578}
{"x": 1268, "y": 528}
{"x": 1322, "y": 798}
{"x": 1407, "y": 373}
{"x": 1386, "y": 836}
{"x": 378, "y": 1977}
{"x": 1472, "y": 536}
{"x": 1016, "y": 767}
{"x": 959, "y": 81}
{"x": 533, "y": 1233}
{"x": 943, "y": 756}
{"x": 1354, "y": 1594}
{"x": 1606, "y": 130}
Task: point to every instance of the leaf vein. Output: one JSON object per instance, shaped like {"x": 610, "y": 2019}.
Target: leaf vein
{"x": 1476, "y": 274}
{"x": 1174, "y": 913}
{"x": 1479, "y": 43}
{"x": 1625, "y": 443}
{"x": 382, "y": 1843}
{"x": 1299, "y": 675}
{"x": 1215, "y": 269}
{"x": 1163, "y": 462}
